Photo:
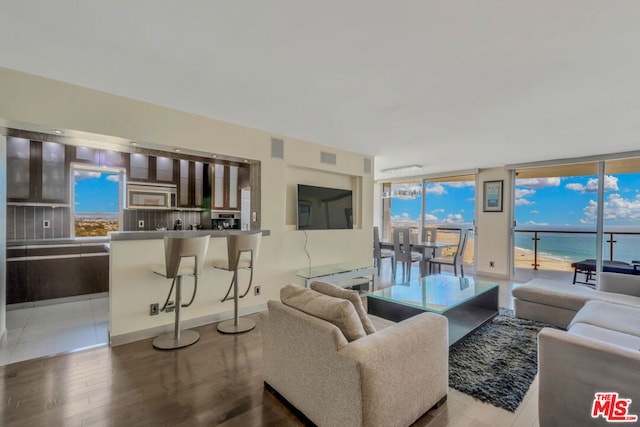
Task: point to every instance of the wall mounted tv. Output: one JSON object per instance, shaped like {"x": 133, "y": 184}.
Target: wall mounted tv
{"x": 321, "y": 208}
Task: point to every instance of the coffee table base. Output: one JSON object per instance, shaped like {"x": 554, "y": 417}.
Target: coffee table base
{"x": 463, "y": 319}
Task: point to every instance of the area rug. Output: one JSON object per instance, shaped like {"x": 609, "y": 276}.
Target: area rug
{"x": 498, "y": 362}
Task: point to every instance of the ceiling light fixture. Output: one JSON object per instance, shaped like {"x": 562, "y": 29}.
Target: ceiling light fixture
{"x": 57, "y": 131}
{"x": 402, "y": 169}
{"x": 177, "y": 150}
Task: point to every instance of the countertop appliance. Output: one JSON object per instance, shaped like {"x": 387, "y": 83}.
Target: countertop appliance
{"x": 144, "y": 195}
{"x": 222, "y": 220}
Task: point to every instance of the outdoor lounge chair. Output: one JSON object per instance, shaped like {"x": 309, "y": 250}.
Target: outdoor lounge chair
{"x": 588, "y": 268}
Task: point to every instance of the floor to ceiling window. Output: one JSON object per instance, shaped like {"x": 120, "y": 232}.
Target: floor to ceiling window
{"x": 556, "y": 212}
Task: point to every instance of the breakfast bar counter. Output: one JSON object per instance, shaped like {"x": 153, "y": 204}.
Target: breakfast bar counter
{"x": 133, "y": 287}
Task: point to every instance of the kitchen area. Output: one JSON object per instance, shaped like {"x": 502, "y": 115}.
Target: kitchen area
{"x": 64, "y": 197}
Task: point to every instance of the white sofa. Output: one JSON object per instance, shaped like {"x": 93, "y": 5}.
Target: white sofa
{"x": 599, "y": 352}
{"x": 389, "y": 377}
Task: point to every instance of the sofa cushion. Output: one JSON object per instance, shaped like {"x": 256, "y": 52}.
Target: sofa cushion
{"x": 553, "y": 293}
{"x": 606, "y": 335}
{"x": 350, "y": 295}
{"x": 338, "y": 311}
{"x": 610, "y": 316}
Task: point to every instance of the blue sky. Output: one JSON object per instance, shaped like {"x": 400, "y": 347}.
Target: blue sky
{"x": 557, "y": 201}
{"x": 447, "y": 202}
{"x": 573, "y": 200}
{"x": 96, "y": 191}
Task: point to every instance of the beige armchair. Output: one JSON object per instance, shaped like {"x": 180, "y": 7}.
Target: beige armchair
{"x": 387, "y": 378}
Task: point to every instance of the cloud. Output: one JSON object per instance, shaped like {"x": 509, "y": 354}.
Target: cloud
{"x": 538, "y": 182}
{"x": 610, "y": 184}
{"x": 522, "y": 192}
{"x": 440, "y": 210}
{"x": 534, "y": 212}
{"x": 436, "y": 188}
{"x": 113, "y": 178}
{"x": 535, "y": 223}
{"x": 82, "y": 174}
{"x": 461, "y": 184}
{"x": 453, "y": 218}
{"x": 524, "y": 202}
{"x": 430, "y": 218}
{"x": 616, "y": 207}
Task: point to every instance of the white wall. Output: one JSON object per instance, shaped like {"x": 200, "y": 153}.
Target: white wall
{"x": 493, "y": 228}
{"x": 49, "y": 104}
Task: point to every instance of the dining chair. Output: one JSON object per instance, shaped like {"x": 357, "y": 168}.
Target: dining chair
{"x": 378, "y": 253}
{"x": 403, "y": 253}
{"x": 455, "y": 260}
{"x": 430, "y": 234}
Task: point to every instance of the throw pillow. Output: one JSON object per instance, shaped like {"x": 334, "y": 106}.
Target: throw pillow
{"x": 350, "y": 295}
{"x": 338, "y": 311}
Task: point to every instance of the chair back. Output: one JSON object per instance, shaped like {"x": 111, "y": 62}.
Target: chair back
{"x": 240, "y": 243}
{"x": 377, "y": 253}
{"x": 178, "y": 247}
{"x": 429, "y": 234}
{"x": 401, "y": 244}
{"x": 461, "y": 246}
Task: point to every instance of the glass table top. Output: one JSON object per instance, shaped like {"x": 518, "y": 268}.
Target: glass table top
{"x": 326, "y": 270}
{"x": 436, "y": 293}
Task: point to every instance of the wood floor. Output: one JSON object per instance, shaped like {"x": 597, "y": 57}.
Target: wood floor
{"x": 217, "y": 381}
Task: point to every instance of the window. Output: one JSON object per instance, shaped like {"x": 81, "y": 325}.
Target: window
{"x": 97, "y": 201}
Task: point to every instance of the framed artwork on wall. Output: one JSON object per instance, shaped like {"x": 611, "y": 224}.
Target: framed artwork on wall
{"x": 492, "y": 197}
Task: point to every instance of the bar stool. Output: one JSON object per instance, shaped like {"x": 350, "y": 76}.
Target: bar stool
{"x": 175, "y": 266}
{"x": 242, "y": 252}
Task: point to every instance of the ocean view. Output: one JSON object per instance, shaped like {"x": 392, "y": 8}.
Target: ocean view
{"x": 576, "y": 247}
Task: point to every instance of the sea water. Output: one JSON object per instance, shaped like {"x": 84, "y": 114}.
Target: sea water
{"x": 576, "y": 247}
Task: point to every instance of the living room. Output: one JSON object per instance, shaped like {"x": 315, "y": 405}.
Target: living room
{"x": 493, "y": 130}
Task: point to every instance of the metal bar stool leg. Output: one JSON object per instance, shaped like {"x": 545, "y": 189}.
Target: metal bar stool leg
{"x": 176, "y": 338}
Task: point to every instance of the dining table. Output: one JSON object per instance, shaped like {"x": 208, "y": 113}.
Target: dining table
{"x": 421, "y": 247}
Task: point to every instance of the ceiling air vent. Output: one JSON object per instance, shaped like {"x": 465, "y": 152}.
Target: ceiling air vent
{"x": 328, "y": 158}
{"x": 367, "y": 166}
{"x": 277, "y": 148}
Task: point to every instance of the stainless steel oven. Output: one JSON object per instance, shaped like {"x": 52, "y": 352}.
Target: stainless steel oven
{"x": 222, "y": 220}
{"x": 142, "y": 195}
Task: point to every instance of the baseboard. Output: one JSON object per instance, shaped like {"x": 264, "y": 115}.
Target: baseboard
{"x": 116, "y": 340}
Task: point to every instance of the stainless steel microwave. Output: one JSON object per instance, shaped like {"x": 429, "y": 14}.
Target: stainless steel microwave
{"x": 143, "y": 195}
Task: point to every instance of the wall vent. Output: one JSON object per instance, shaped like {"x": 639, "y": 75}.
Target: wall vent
{"x": 367, "y": 166}
{"x": 328, "y": 158}
{"x": 277, "y": 148}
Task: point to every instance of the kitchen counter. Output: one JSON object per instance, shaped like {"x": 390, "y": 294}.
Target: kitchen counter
{"x": 134, "y": 286}
{"x": 151, "y": 235}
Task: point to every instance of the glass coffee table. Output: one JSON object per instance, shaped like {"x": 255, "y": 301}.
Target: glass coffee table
{"x": 467, "y": 303}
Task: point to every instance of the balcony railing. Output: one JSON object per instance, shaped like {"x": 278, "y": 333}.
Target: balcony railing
{"x": 610, "y": 240}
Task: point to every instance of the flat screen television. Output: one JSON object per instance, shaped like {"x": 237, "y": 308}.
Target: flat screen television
{"x": 322, "y": 208}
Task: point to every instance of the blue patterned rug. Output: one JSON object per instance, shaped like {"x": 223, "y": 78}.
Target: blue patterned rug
{"x": 498, "y": 362}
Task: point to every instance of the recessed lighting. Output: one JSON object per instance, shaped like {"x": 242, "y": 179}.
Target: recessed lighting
{"x": 246, "y": 161}
{"x": 214, "y": 155}
{"x": 177, "y": 150}
{"x": 57, "y": 131}
{"x": 134, "y": 143}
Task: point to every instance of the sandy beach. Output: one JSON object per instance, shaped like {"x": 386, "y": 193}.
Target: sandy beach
{"x": 522, "y": 258}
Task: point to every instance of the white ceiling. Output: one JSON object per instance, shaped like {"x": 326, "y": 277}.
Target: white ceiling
{"x": 451, "y": 85}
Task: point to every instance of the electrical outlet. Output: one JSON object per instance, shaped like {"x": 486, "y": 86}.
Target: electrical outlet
{"x": 154, "y": 309}
{"x": 256, "y": 290}
{"x": 46, "y": 223}
{"x": 170, "y": 307}
{"x": 491, "y": 264}
{"x": 254, "y": 216}
{"x": 140, "y": 223}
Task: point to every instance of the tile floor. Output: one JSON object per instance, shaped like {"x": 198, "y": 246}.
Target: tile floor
{"x": 52, "y": 329}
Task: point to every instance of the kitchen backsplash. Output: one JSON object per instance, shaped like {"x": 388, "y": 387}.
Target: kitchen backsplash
{"x": 26, "y": 222}
{"x": 156, "y": 219}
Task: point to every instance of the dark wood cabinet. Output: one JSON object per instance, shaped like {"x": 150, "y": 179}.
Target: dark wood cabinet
{"x": 37, "y": 171}
{"x": 225, "y": 189}
{"x": 191, "y": 183}
{"x": 42, "y": 272}
{"x": 144, "y": 168}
